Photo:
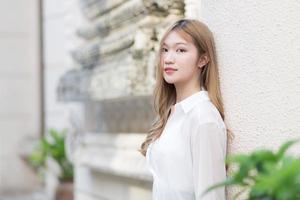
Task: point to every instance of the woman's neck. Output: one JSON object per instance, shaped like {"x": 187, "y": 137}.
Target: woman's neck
{"x": 182, "y": 93}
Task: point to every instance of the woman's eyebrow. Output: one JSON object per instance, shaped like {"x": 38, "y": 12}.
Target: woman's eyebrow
{"x": 177, "y": 43}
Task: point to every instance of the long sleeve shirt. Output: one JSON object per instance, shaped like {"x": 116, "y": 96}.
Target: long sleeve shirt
{"x": 189, "y": 156}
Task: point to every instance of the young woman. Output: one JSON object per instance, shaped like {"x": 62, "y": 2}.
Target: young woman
{"x": 186, "y": 147}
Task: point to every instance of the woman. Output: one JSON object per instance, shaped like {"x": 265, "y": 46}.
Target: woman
{"x": 186, "y": 146}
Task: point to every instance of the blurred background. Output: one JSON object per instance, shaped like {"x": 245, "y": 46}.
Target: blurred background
{"x": 76, "y": 79}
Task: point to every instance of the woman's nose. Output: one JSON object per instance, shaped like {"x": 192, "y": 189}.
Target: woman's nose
{"x": 169, "y": 57}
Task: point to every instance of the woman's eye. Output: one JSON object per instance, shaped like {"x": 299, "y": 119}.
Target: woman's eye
{"x": 164, "y": 50}
{"x": 181, "y": 50}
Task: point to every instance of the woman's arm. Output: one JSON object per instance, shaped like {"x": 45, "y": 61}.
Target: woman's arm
{"x": 208, "y": 147}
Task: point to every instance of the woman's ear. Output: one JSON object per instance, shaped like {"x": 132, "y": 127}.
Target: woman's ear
{"x": 203, "y": 60}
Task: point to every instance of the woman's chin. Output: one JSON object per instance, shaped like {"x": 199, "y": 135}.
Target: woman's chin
{"x": 169, "y": 81}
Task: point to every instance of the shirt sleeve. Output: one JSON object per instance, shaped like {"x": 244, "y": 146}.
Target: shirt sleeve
{"x": 208, "y": 148}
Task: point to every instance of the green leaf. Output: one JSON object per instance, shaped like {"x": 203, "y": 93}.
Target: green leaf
{"x": 285, "y": 147}
{"x": 227, "y": 182}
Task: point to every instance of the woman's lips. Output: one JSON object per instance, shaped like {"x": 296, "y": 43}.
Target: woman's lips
{"x": 170, "y": 70}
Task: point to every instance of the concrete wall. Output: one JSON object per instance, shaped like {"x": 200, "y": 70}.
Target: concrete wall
{"x": 19, "y": 91}
{"x": 258, "y": 46}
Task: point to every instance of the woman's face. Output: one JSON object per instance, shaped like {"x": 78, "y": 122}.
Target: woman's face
{"x": 179, "y": 59}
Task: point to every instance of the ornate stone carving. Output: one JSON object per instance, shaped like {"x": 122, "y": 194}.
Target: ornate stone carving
{"x": 94, "y": 8}
{"x": 126, "y": 13}
{"x": 119, "y": 48}
{"x": 73, "y": 86}
{"x": 88, "y": 56}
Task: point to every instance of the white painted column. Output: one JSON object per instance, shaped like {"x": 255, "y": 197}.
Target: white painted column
{"x": 19, "y": 92}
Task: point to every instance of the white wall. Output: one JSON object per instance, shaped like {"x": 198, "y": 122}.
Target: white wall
{"x": 19, "y": 91}
{"x": 259, "y": 52}
{"x": 59, "y": 25}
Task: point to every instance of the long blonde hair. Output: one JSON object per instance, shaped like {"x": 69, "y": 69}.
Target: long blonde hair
{"x": 165, "y": 93}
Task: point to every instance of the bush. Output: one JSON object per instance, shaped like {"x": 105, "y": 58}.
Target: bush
{"x": 265, "y": 175}
{"x": 52, "y": 147}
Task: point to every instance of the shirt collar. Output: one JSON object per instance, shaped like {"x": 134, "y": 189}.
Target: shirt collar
{"x": 188, "y": 103}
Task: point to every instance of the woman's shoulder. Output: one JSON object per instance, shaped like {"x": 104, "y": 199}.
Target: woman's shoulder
{"x": 206, "y": 112}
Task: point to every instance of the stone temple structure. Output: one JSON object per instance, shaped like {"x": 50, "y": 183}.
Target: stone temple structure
{"x": 114, "y": 78}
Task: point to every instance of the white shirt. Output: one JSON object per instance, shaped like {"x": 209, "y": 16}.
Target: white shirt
{"x": 189, "y": 156}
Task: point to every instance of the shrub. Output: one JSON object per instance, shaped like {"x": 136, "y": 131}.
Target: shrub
{"x": 265, "y": 175}
{"x": 52, "y": 147}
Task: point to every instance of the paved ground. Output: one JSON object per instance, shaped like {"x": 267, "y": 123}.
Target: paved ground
{"x": 34, "y": 196}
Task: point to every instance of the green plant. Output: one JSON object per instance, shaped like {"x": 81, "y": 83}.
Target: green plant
{"x": 265, "y": 175}
{"x": 53, "y": 147}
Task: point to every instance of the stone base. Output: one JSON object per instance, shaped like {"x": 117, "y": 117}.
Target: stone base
{"x": 94, "y": 185}
{"x": 108, "y": 166}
